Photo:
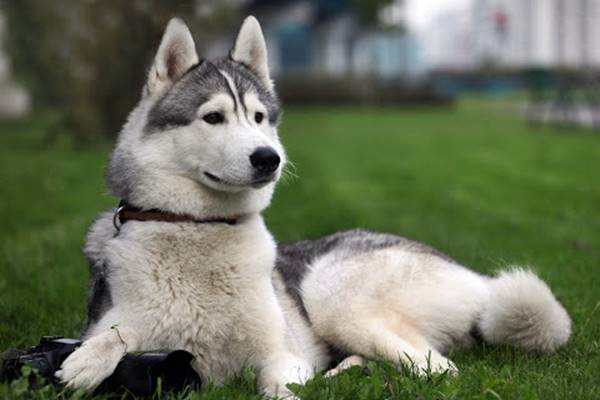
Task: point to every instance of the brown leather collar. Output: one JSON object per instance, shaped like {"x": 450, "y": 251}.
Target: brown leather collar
{"x": 126, "y": 212}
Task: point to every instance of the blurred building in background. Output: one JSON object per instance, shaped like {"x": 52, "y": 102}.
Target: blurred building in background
{"x": 14, "y": 100}
{"x": 448, "y": 40}
{"x": 331, "y": 38}
{"x": 550, "y": 33}
{"x": 514, "y": 34}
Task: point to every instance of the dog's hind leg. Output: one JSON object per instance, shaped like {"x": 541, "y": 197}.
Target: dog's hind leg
{"x": 375, "y": 338}
{"x": 346, "y": 363}
{"x": 372, "y": 305}
{"x": 408, "y": 346}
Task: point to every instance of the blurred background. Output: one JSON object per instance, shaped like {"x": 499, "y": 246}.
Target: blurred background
{"x": 86, "y": 59}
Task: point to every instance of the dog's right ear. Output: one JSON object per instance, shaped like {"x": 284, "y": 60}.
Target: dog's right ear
{"x": 176, "y": 54}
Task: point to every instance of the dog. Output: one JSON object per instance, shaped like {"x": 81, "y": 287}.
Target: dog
{"x": 186, "y": 261}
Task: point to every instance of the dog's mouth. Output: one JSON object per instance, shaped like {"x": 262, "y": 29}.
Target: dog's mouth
{"x": 256, "y": 183}
{"x": 213, "y": 178}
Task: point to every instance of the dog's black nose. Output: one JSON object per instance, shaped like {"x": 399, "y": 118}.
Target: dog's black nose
{"x": 265, "y": 159}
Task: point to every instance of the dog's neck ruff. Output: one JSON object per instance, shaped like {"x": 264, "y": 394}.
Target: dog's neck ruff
{"x": 127, "y": 212}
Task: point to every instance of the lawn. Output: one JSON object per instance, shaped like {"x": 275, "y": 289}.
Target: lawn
{"x": 473, "y": 181}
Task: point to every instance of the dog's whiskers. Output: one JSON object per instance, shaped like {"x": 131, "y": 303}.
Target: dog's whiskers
{"x": 289, "y": 172}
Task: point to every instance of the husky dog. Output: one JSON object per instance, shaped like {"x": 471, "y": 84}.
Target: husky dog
{"x": 195, "y": 267}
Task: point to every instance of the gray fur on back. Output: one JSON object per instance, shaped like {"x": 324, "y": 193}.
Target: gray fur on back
{"x": 294, "y": 258}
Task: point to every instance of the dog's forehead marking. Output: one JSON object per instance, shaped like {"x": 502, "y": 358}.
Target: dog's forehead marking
{"x": 240, "y": 112}
{"x": 246, "y": 82}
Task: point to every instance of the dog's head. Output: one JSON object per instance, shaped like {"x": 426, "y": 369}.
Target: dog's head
{"x": 203, "y": 139}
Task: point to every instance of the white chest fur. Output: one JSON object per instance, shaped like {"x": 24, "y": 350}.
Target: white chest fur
{"x": 199, "y": 287}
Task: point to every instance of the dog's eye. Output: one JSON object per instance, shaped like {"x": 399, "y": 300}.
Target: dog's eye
{"x": 258, "y": 117}
{"x": 214, "y": 118}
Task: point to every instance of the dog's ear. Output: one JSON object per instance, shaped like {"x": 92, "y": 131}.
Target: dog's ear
{"x": 176, "y": 54}
{"x": 250, "y": 49}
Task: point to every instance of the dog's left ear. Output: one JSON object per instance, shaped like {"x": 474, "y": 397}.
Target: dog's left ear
{"x": 250, "y": 49}
{"x": 175, "y": 56}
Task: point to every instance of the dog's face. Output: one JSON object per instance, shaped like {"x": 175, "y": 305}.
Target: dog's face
{"x": 219, "y": 118}
{"x": 212, "y": 123}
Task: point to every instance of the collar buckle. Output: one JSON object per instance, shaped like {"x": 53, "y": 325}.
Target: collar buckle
{"x": 117, "y": 222}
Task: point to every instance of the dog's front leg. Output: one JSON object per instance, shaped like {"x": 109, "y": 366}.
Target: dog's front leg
{"x": 280, "y": 369}
{"x": 276, "y": 363}
{"x": 97, "y": 358}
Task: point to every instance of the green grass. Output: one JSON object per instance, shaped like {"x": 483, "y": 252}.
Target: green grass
{"x": 474, "y": 182}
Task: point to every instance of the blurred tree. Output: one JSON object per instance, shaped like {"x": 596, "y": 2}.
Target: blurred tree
{"x": 34, "y": 40}
{"x": 89, "y": 58}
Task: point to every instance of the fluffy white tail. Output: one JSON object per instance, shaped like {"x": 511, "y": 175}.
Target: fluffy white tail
{"x": 523, "y": 312}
